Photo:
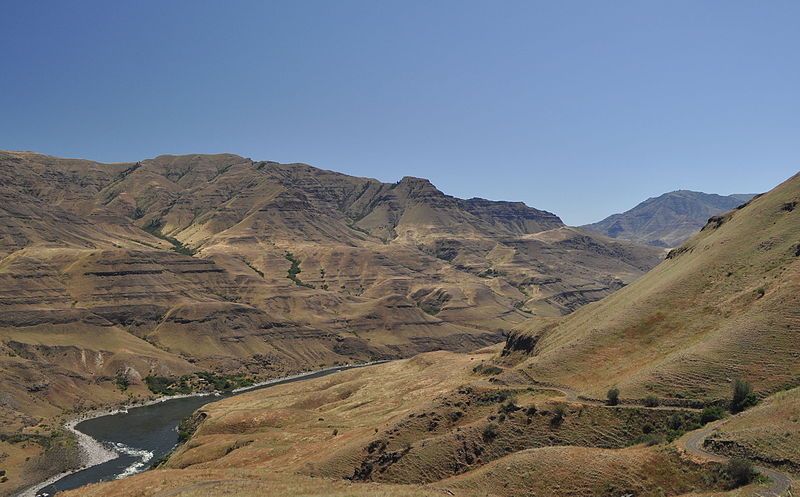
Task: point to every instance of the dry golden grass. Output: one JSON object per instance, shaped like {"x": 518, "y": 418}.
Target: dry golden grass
{"x": 726, "y": 305}
{"x": 288, "y": 426}
{"x": 585, "y": 472}
{"x": 768, "y": 432}
{"x": 286, "y": 438}
{"x": 172, "y": 483}
{"x": 261, "y": 443}
{"x": 97, "y": 276}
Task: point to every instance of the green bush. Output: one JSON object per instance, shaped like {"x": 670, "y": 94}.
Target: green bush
{"x": 488, "y": 370}
{"x": 159, "y": 385}
{"x": 509, "y": 407}
{"x": 651, "y": 401}
{"x": 740, "y": 471}
{"x": 612, "y": 397}
{"x": 653, "y": 439}
{"x": 743, "y": 396}
{"x": 122, "y": 381}
{"x": 711, "y": 413}
{"x": 675, "y": 422}
{"x": 294, "y": 270}
{"x": 559, "y": 413}
{"x": 490, "y": 432}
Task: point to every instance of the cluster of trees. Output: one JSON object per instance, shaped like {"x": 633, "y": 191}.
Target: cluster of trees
{"x": 741, "y": 398}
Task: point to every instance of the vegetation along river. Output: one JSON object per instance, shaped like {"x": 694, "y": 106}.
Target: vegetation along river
{"x": 141, "y": 436}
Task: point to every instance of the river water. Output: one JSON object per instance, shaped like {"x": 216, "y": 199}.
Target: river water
{"x": 143, "y": 435}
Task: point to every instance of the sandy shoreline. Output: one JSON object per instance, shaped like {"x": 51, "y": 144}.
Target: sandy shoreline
{"x": 92, "y": 452}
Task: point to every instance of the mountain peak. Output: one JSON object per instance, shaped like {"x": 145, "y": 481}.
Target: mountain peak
{"x": 668, "y": 219}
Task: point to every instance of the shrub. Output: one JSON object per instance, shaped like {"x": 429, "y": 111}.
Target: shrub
{"x": 743, "y": 396}
{"x": 711, "y": 413}
{"x": 653, "y": 439}
{"x": 530, "y": 410}
{"x": 160, "y": 385}
{"x": 613, "y": 396}
{"x": 122, "y": 381}
{"x": 294, "y": 270}
{"x": 490, "y": 432}
{"x": 650, "y": 401}
{"x": 488, "y": 370}
{"x": 740, "y": 471}
{"x": 559, "y": 413}
{"x": 509, "y": 407}
{"x": 675, "y": 422}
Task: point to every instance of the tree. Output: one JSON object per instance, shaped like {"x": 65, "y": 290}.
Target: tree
{"x": 741, "y": 471}
{"x": 613, "y": 396}
{"x": 651, "y": 401}
{"x": 743, "y": 396}
{"x": 490, "y": 432}
{"x": 559, "y": 413}
{"x": 711, "y": 413}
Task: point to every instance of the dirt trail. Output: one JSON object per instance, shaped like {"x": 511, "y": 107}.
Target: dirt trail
{"x": 691, "y": 442}
{"x": 575, "y": 397}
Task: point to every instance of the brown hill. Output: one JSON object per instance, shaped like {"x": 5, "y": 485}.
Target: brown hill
{"x": 430, "y": 425}
{"x": 723, "y": 306}
{"x": 215, "y": 262}
{"x": 524, "y": 421}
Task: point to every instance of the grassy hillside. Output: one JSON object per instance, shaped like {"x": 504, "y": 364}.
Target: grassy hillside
{"x": 768, "y": 433}
{"x": 437, "y": 424}
{"x": 723, "y": 306}
{"x": 113, "y": 273}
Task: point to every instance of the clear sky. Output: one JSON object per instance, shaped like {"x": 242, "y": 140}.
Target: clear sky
{"x": 580, "y": 108}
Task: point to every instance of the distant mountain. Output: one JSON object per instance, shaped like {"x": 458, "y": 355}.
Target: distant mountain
{"x": 668, "y": 220}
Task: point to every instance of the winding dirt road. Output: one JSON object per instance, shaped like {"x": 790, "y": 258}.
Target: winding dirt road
{"x": 691, "y": 443}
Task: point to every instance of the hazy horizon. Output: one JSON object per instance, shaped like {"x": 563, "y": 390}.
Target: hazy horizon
{"x": 583, "y": 110}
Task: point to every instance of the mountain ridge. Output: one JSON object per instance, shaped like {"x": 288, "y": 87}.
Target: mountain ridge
{"x": 167, "y": 267}
{"x": 669, "y": 219}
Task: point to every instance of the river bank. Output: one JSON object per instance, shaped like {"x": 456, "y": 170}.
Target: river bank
{"x": 93, "y": 452}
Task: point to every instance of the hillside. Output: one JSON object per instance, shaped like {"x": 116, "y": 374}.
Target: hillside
{"x": 431, "y": 425}
{"x": 532, "y": 418}
{"x": 722, "y": 306}
{"x": 669, "y": 219}
{"x": 768, "y": 433}
{"x": 113, "y": 273}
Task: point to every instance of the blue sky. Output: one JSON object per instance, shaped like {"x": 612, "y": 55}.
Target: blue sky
{"x": 580, "y": 108}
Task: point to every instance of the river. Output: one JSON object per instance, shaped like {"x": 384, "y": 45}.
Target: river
{"x": 143, "y": 435}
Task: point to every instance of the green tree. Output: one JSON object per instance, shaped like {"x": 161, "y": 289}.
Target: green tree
{"x": 651, "y": 401}
{"x": 612, "y": 396}
{"x": 740, "y": 471}
{"x": 743, "y": 396}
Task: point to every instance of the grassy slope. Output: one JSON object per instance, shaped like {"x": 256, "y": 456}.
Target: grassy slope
{"x": 725, "y": 306}
{"x": 769, "y": 432}
{"x": 304, "y": 438}
{"x": 178, "y": 264}
{"x": 582, "y": 472}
